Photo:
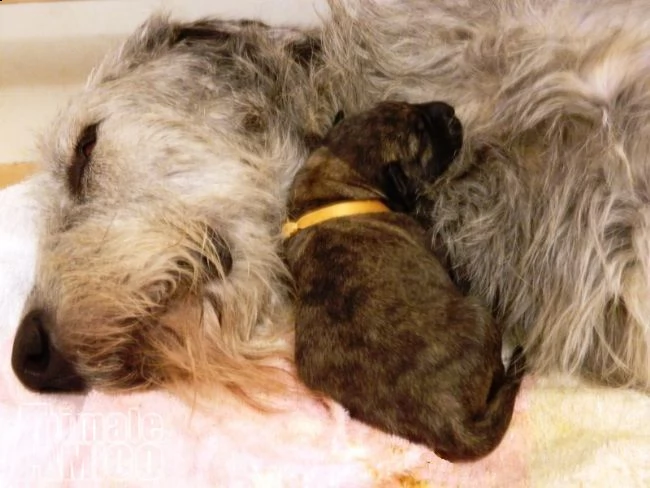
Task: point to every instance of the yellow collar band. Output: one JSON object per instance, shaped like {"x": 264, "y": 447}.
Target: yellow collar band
{"x": 343, "y": 209}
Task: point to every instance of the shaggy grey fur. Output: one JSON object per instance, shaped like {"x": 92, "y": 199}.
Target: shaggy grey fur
{"x": 201, "y": 127}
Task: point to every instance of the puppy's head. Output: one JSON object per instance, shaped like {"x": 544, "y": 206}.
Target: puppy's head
{"x": 398, "y": 147}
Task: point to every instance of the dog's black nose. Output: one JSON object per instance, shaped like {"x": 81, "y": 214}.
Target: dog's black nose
{"x": 37, "y": 363}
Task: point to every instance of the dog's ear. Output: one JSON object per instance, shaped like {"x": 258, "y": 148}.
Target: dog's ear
{"x": 306, "y": 51}
{"x": 158, "y": 34}
{"x": 399, "y": 188}
{"x": 199, "y": 32}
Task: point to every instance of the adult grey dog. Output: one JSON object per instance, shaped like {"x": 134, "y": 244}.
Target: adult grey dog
{"x": 166, "y": 181}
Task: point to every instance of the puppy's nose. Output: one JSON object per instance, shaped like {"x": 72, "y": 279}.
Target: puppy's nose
{"x": 439, "y": 109}
{"x": 442, "y": 116}
{"x": 443, "y": 125}
{"x": 37, "y": 363}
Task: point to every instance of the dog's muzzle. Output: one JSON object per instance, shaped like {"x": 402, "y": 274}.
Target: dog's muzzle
{"x": 337, "y": 210}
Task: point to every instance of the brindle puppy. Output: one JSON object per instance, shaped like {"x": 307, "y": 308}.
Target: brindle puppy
{"x": 380, "y": 326}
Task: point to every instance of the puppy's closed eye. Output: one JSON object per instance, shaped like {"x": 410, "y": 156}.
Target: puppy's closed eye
{"x": 399, "y": 188}
{"x": 81, "y": 158}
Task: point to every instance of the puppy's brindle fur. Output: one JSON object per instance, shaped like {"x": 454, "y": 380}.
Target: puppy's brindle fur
{"x": 380, "y": 326}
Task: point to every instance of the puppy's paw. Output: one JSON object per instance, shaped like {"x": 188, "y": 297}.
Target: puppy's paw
{"x": 517, "y": 367}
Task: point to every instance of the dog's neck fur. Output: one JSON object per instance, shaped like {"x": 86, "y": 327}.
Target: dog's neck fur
{"x": 326, "y": 179}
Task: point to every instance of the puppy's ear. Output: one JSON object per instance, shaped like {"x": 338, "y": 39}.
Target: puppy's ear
{"x": 399, "y": 188}
{"x": 148, "y": 42}
{"x": 158, "y": 34}
{"x": 312, "y": 141}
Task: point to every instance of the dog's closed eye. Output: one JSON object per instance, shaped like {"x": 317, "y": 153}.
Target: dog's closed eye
{"x": 81, "y": 158}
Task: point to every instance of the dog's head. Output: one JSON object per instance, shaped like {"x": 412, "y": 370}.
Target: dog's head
{"x": 161, "y": 199}
{"x": 398, "y": 147}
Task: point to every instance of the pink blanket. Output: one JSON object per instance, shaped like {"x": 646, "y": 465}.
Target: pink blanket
{"x": 562, "y": 434}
